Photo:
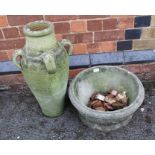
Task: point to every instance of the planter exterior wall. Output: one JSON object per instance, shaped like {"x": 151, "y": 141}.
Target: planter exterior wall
{"x": 45, "y": 65}
{"x": 104, "y": 79}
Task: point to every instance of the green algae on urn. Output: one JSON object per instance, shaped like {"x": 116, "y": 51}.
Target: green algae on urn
{"x": 45, "y": 65}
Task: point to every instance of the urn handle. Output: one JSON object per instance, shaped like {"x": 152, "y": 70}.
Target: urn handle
{"x": 49, "y": 61}
{"x": 18, "y": 53}
{"x": 66, "y": 42}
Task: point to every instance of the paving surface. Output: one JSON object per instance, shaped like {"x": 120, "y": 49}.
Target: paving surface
{"x": 21, "y": 118}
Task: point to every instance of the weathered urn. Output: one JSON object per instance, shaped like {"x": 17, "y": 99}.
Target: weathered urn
{"x": 44, "y": 63}
{"x": 104, "y": 79}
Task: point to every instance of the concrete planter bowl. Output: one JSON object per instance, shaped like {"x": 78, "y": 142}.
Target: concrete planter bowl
{"x": 103, "y": 79}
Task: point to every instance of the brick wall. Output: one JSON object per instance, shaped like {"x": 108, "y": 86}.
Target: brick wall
{"x": 88, "y": 33}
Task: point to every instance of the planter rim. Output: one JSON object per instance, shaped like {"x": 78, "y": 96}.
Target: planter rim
{"x": 117, "y": 114}
{"x": 49, "y": 28}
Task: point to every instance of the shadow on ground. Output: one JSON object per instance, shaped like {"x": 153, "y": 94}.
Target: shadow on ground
{"x": 21, "y": 118}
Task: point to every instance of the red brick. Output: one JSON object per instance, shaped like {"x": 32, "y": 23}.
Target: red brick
{"x": 11, "y": 44}
{"x": 3, "y": 56}
{"x": 149, "y": 76}
{"x": 11, "y": 32}
{"x": 79, "y": 38}
{"x": 62, "y": 27}
{"x": 1, "y": 35}
{"x": 78, "y": 26}
{"x": 23, "y": 19}
{"x": 121, "y": 16}
{"x": 80, "y": 48}
{"x": 58, "y": 37}
{"x": 10, "y": 53}
{"x": 55, "y": 18}
{"x": 92, "y": 16}
{"x": 93, "y": 48}
{"x": 74, "y": 72}
{"x": 85, "y": 37}
{"x": 3, "y": 21}
{"x": 94, "y": 25}
{"x": 146, "y": 68}
{"x": 125, "y": 22}
{"x": 135, "y": 68}
{"x": 12, "y": 79}
{"x": 21, "y": 31}
{"x": 109, "y": 24}
{"x": 140, "y": 76}
{"x": 108, "y": 46}
{"x": 109, "y": 35}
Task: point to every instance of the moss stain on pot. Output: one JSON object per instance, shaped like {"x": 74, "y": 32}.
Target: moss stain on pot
{"x": 45, "y": 65}
{"x": 104, "y": 79}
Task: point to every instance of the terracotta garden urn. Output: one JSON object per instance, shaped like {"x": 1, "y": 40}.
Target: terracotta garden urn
{"x": 44, "y": 62}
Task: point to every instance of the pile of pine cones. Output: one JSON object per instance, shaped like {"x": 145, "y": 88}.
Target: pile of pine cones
{"x": 110, "y": 101}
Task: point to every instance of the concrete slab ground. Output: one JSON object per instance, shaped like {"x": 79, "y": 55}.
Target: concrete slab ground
{"x": 21, "y": 118}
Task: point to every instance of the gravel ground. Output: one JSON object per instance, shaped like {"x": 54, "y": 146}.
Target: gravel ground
{"x": 21, "y": 118}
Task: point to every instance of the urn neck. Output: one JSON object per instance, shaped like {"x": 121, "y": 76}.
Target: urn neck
{"x": 40, "y": 37}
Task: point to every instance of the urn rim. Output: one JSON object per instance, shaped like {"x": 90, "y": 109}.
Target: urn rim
{"x": 38, "y": 28}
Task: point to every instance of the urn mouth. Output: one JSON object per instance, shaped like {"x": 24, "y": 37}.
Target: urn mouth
{"x": 38, "y": 28}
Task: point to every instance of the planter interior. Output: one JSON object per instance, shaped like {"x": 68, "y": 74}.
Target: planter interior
{"x": 104, "y": 81}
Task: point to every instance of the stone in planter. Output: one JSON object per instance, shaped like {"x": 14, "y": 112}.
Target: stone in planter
{"x": 104, "y": 79}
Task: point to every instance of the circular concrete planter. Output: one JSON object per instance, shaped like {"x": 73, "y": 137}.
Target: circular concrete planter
{"x": 103, "y": 79}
